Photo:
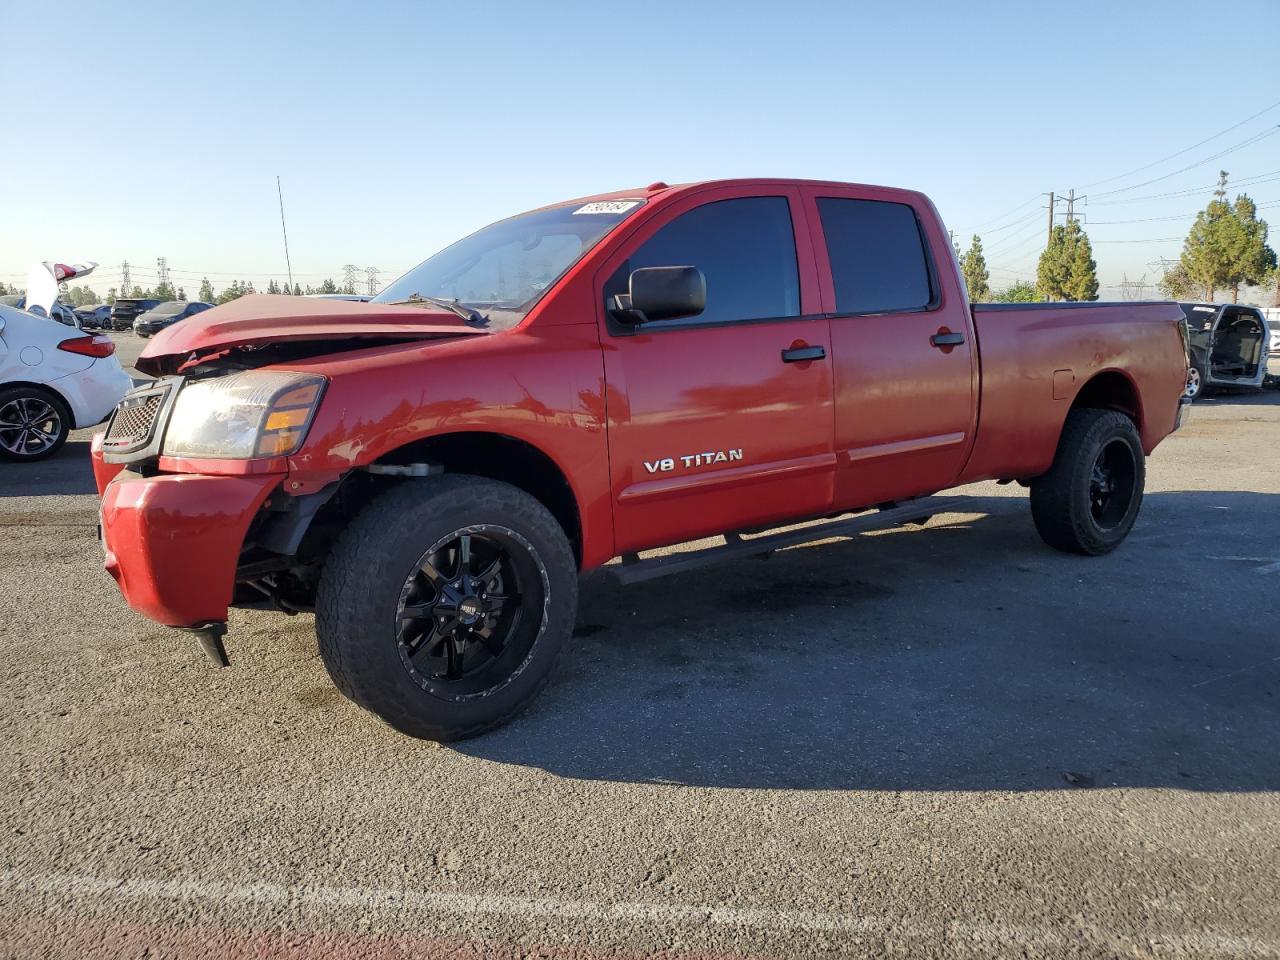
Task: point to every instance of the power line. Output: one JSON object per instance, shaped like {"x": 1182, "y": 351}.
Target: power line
{"x": 1010, "y": 212}
{"x": 1239, "y": 146}
{"x": 1010, "y": 224}
{"x": 1269, "y": 177}
{"x": 1156, "y": 163}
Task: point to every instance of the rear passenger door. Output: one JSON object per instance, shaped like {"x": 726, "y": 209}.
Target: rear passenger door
{"x": 717, "y": 422}
{"x": 903, "y": 351}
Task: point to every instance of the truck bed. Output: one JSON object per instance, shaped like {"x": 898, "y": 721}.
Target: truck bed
{"x": 1036, "y": 358}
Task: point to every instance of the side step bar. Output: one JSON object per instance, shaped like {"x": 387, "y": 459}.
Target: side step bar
{"x": 633, "y": 569}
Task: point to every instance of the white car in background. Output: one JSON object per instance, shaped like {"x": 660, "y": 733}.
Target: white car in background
{"x": 53, "y": 379}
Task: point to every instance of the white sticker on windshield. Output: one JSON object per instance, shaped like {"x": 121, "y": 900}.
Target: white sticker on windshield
{"x": 607, "y": 206}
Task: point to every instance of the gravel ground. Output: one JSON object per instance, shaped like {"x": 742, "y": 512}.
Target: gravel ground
{"x": 937, "y": 741}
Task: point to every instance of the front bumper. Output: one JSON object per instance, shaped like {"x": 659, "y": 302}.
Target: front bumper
{"x": 1184, "y": 414}
{"x": 172, "y": 541}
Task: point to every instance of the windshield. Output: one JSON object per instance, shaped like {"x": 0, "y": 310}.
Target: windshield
{"x": 1199, "y": 315}
{"x": 168, "y": 309}
{"x": 503, "y": 269}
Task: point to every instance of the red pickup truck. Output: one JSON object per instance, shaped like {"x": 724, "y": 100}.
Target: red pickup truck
{"x": 430, "y": 471}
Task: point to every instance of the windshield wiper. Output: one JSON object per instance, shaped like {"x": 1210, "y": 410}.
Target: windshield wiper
{"x": 454, "y": 306}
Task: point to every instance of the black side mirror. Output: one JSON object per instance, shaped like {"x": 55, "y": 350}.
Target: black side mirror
{"x": 662, "y": 293}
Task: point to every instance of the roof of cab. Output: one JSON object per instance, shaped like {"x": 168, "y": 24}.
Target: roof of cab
{"x": 666, "y": 191}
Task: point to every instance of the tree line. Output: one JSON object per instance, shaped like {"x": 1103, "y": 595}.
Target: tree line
{"x": 232, "y": 291}
{"x": 1225, "y": 249}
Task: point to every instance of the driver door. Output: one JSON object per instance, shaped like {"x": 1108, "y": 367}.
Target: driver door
{"x": 721, "y": 421}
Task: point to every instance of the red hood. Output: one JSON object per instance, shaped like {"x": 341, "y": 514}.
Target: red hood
{"x": 260, "y": 319}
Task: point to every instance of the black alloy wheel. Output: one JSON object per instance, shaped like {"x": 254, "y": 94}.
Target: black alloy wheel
{"x": 459, "y": 621}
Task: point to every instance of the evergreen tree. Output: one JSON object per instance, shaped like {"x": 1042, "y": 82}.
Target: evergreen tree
{"x": 272, "y": 286}
{"x": 974, "y": 267}
{"x": 1083, "y": 284}
{"x": 182, "y": 294}
{"x": 206, "y": 291}
{"x": 164, "y": 291}
{"x": 111, "y": 296}
{"x": 234, "y": 291}
{"x": 1252, "y": 260}
{"x": 328, "y": 286}
{"x": 1207, "y": 251}
{"x": 297, "y": 290}
{"x": 1067, "y": 270}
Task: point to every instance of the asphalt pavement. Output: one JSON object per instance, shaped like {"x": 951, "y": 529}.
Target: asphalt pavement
{"x": 945, "y": 740}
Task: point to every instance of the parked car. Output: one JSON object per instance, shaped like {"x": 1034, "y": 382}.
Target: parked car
{"x": 1228, "y": 346}
{"x": 432, "y": 470}
{"x": 52, "y": 381}
{"x": 1273, "y": 323}
{"x": 59, "y": 311}
{"x": 66, "y": 315}
{"x": 125, "y": 311}
{"x": 166, "y": 315}
{"x": 95, "y": 316}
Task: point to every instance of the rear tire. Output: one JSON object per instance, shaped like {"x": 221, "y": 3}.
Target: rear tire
{"x": 34, "y": 424}
{"x": 445, "y": 605}
{"x": 1088, "y": 501}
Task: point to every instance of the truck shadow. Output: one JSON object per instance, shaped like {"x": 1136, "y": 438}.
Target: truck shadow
{"x": 962, "y": 656}
{"x": 68, "y": 472}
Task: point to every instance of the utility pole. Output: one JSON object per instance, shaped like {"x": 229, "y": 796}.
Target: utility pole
{"x": 126, "y": 288}
{"x": 284, "y": 231}
{"x": 372, "y": 273}
{"x": 1049, "y": 240}
{"x": 349, "y": 277}
{"x": 162, "y": 270}
{"x": 1071, "y": 204}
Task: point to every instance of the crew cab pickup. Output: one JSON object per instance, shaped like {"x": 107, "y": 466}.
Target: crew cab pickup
{"x": 430, "y": 471}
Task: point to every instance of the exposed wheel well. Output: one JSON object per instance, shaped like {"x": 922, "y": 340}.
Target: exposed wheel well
{"x": 504, "y": 458}
{"x": 1111, "y": 391}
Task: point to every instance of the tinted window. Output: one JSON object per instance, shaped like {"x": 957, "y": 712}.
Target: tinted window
{"x": 877, "y": 255}
{"x": 746, "y": 250}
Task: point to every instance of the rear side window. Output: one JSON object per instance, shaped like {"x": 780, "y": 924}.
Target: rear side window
{"x": 745, "y": 248}
{"x": 877, "y": 254}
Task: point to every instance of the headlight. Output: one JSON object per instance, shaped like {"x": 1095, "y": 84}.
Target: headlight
{"x": 258, "y": 413}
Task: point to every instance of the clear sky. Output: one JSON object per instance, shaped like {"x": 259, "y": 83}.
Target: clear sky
{"x": 137, "y": 130}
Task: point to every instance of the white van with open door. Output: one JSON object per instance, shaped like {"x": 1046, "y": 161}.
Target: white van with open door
{"x": 1229, "y": 344}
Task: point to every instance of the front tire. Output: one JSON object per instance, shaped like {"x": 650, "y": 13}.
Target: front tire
{"x": 1195, "y": 383}
{"x": 1088, "y": 501}
{"x": 445, "y": 605}
{"x": 34, "y": 424}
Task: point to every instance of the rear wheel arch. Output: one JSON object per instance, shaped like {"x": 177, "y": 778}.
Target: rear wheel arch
{"x": 1111, "y": 390}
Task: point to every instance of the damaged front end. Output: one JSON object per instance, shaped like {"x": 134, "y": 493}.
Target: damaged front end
{"x": 202, "y": 507}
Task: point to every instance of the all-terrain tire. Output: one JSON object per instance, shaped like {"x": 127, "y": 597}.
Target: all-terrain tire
{"x": 11, "y": 400}
{"x": 1065, "y": 502}
{"x": 363, "y": 581}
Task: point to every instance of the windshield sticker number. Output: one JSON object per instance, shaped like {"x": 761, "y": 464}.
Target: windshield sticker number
{"x": 607, "y": 206}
